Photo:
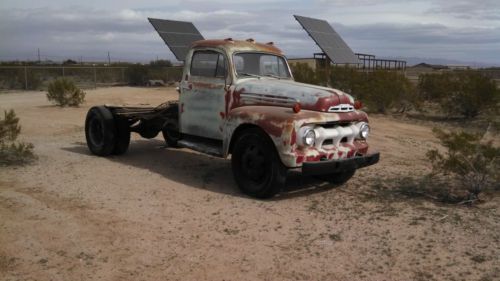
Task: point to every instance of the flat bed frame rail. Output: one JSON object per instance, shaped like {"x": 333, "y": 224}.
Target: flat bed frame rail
{"x": 166, "y": 110}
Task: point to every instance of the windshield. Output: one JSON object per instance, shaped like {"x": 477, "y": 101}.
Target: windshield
{"x": 260, "y": 64}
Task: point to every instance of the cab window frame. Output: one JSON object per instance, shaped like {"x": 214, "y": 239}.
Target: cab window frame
{"x": 216, "y": 69}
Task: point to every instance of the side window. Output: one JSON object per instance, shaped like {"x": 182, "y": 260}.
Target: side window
{"x": 208, "y": 64}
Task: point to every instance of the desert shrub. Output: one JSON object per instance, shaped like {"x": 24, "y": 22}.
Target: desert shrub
{"x": 303, "y": 73}
{"x": 34, "y": 80}
{"x": 137, "y": 74}
{"x": 347, "y": 79}
{"x": 469, "y": 164}
{"x": 166, "y": 63}
{"x": 464, "y": 93}
{"x": 11, "y": 151}
{"x": 382, "y": 91}
{"x": 388, "y": 90}
{"x": 64, "y": 92}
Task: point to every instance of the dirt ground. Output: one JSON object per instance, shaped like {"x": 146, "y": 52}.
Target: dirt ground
{"x": 157, "y": 213}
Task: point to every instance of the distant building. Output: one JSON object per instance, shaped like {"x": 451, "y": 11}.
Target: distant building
{"x": 423, "y": 67}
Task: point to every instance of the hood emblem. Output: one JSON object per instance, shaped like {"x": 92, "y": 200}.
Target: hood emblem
{"x": 341, "y": 108}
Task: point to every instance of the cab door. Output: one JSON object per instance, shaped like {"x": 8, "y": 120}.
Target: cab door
{"x": 202, "y": 95}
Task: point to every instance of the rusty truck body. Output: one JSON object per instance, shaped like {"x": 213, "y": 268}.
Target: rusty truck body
{"x": 239, "y": 98}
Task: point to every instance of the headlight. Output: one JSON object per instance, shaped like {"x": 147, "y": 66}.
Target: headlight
{"x": 364, "y": 131}
{"x": 309, "y": 137}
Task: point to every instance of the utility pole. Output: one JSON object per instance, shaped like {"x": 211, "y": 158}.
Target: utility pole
{"x": 109, "y": 59}
{"x": 38, "y": 55}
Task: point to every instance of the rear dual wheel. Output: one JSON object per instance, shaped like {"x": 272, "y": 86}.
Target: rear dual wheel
{"x": 106, "y": 135}
{"x": 171, "y": 135}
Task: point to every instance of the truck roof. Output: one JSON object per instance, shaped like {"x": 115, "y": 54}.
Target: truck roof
{"x": 231, "y": 45}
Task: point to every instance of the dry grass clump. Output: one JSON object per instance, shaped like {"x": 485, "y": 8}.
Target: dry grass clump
{"x": 13, "y": 152}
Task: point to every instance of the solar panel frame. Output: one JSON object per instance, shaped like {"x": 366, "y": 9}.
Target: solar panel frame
{"x": 177, "y": 35}
{"x": 328, "y": 40}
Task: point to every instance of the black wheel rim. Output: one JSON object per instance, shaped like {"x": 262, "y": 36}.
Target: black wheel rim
{"x": 96, "y": 132}
{"x": 253, "y": 164}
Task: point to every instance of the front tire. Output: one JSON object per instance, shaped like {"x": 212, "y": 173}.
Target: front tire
{"x": 257, "y": 169}
{"x": 100, "y": 131}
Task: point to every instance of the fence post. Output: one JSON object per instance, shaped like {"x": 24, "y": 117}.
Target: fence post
{"x": 26, "y": 78}
{"x": 123, "y": 74}
{"x": 63, "y": 71}
{"x": 95, "y": 78}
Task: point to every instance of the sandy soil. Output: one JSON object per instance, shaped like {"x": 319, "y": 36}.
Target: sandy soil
{"x": 163, "y": 214}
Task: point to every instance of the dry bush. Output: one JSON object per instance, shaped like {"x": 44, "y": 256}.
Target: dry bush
{"x": 304, "y": 74}
{"x": 468, "y": 164}
{"x": 64, "y": 92}
{"x": 137, "y": 74}
{"x": 381, "y": 91}
{"x": 11, "y": 151}
{"x": 464, "y": 93}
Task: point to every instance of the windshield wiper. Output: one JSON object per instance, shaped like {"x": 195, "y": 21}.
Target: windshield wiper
{"x": 249, "y": 74}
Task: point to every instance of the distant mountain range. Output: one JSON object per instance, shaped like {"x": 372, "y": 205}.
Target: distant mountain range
{"x": 410, "y": 61}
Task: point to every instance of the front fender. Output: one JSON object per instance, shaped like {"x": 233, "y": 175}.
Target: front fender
{"x": 281, "y": 124}
{"x": 277, "y": 122}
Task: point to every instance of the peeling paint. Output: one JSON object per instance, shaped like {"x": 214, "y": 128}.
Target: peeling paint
{"x": 215, "y": 108}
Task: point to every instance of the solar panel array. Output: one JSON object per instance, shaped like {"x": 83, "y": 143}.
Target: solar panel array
{"x": 178, "y": 35}
{"x": 328, "y": 40}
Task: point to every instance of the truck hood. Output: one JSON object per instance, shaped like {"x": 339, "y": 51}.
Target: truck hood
{"x": 272, "y": 91}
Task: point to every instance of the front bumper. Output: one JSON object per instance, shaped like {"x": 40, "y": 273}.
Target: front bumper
{"x": 335, "y": 166}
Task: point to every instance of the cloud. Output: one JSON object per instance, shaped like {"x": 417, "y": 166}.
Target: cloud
{"x": 386, "y": 28}
{"x": 478, "y": 9}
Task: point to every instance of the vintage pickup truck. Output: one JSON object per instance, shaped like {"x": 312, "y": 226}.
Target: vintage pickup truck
{"x": 239, "y": 98}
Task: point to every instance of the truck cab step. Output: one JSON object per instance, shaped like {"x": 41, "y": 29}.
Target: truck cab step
{"x": 203, "y": 146}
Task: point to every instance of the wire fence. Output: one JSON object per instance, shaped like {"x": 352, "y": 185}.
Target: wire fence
{"x": 38, "y": 77}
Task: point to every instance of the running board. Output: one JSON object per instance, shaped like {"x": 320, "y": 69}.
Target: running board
{"x": 201, "y": 146}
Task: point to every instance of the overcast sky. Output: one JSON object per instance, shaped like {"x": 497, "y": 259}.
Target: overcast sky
{"x": 456, "y": 30}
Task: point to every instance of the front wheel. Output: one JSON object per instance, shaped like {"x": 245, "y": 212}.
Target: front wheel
{"x": 257, "y": 169}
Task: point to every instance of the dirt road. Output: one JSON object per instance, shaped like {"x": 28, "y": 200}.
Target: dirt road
{"x": 157, "y": 213}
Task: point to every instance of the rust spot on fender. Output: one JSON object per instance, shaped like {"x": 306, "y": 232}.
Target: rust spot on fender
{"x": 270, "y": 127}
{"x": 299, "y": 159}
{"x": 293, "y": 138}
{"x": 232, "y": 99}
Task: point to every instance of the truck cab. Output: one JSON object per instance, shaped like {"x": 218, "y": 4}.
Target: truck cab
{"x": 238, "y": 98}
